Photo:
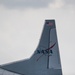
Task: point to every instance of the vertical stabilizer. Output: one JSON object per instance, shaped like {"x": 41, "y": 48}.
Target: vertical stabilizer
{"x": 47, "y": 52}
{"x": 45, "y": 60}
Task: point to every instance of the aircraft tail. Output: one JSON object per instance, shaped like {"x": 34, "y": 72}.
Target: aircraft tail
{"x": 46, "y": 58}
{"x": 47, "y": 52}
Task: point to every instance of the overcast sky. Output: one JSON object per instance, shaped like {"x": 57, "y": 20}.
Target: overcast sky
{"x": 21, "y": 24}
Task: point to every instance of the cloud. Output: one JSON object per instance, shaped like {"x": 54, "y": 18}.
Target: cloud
{"x": 25, "y": 3}
{"x": 70, "y": 1}
{"x": 57, "y": 4}
{"x": 37, "y": 3}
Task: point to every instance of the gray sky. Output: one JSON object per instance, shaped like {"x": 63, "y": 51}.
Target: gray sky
{"x": 25, "y": 3}
{"x": 21, "y": 23}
